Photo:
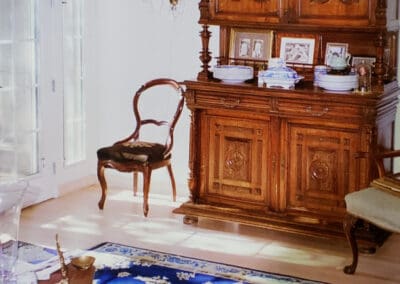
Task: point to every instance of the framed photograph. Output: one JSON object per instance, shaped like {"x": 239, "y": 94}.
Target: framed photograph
{"x": 335, "y": 49}
{"x": 358, "y": 59}
{"x": 251, "y": 44}
{"x": 301, "y": 49}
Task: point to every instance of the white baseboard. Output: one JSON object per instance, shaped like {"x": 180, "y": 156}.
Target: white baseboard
{"x": 77, "y": 184}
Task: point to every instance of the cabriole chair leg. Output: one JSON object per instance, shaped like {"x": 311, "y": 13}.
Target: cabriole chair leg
{"x": 349, "y": 226}
{"x": 173, "y": 184}
{"x": 103, "y": 184}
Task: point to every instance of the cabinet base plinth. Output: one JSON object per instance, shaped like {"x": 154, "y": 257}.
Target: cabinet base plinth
{"x": 328, "y": 229}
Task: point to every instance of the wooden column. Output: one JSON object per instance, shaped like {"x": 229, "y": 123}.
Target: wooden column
{"x": 205, "y": 54}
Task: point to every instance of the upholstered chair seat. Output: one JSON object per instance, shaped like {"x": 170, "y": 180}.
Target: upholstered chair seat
{"x": 379, "y": 207}
{"x": 139, "y": 152}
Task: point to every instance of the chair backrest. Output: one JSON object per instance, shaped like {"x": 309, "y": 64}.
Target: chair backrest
{"x": 157, "y": 106}
{"x": 386, "y": 161}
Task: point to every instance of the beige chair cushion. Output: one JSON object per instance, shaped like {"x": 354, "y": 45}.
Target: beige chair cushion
{"x": 375, "y": 206}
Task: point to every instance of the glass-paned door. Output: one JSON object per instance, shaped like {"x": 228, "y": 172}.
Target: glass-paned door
{"x": 74, "y": 104}
{"x": 19, "y": 133}
{"x": 42, "y": 110}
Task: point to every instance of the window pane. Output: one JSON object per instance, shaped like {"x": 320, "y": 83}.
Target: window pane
{"x": 6, "y": 8}
{"x": 74, "y": 108}
{"x": 24, "y": 23}
{"x": 5, "y": 64}
{"x": 18, "y": 89}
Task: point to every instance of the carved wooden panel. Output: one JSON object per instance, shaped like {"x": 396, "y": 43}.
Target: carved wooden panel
{"x": 243, "y": 10}
{"x": 326, "y": 12}
{"x": 237, "y": 159}
{"x": 322, "y": 167}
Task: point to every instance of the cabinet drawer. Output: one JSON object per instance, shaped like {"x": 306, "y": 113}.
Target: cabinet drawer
{"x": 227, "y": 101}
{"x": 246, "y": 10}
{"x": 329, "y": 110}
{"x": 334, "y": 12}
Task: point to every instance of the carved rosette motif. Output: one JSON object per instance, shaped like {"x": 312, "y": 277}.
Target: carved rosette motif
{"x": 322, "y": 178}
{"x": 235, "y": 161}
{"x": 319, "y": 170}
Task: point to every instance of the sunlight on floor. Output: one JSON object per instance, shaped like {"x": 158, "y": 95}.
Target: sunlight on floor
{"x": 80, "y": 224}
{"x": 150, "y": 229}
{"x": 155, "y": 199}
{"x": 305, "y": 256}
{"x": 74, "y": 224}
{"x": 223, "y": 243}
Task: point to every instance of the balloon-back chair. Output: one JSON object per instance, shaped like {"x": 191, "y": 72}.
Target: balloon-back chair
{"x": 143, "y": 151}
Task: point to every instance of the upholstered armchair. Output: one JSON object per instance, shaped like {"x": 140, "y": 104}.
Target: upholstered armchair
{"x": 379, "y": 205}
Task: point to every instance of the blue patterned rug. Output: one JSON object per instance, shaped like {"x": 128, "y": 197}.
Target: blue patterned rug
{"x": 147, "y": 266}
{"x": 116, "y": 263}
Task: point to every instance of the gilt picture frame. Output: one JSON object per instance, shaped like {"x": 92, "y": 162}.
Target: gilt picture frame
{"x": 251, "y": 44}
{"x": 297, "y": 48}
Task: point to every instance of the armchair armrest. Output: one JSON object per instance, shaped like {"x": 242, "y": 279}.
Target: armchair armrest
{"x": 379, "y": 158}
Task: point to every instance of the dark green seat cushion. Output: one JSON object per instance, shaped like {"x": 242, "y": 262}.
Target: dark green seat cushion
{"x": 138, "y": 151}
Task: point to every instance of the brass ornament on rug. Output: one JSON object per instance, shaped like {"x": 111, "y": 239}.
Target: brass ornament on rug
{"x": 79, "y": 271}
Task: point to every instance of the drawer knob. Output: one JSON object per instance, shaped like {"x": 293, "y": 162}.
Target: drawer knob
{"x": 309, "y": 109}
{"x": 230, "y": 103}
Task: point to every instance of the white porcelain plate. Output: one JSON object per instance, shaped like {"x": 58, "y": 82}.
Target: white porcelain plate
{"x": 338, "y": 82}
{"x": 233, "y": 73}
{"x": 233, "y": 81}
{"x": 335, "y": 86}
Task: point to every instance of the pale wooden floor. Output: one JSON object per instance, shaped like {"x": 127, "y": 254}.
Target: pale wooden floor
{"x": 80, "y": 224}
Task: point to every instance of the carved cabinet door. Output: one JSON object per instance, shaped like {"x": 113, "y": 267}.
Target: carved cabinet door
{"x": 237, "y": 161}
{"x": 333, "y": 12}
{"x": 323, "y": 167}
{"x": 264, "y": 11}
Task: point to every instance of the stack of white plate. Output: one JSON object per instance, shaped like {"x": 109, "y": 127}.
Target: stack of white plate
{"x": 233, "y": 73}
{"x": 338, "y": 82}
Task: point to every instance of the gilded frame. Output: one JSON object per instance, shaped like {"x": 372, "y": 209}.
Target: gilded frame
{"x": 250, "y": 44}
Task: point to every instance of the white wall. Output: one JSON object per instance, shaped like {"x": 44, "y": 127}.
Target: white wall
{"x": 129, "y": 42}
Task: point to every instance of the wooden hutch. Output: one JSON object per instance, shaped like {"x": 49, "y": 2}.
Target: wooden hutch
{"x": 285, "y": 159}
